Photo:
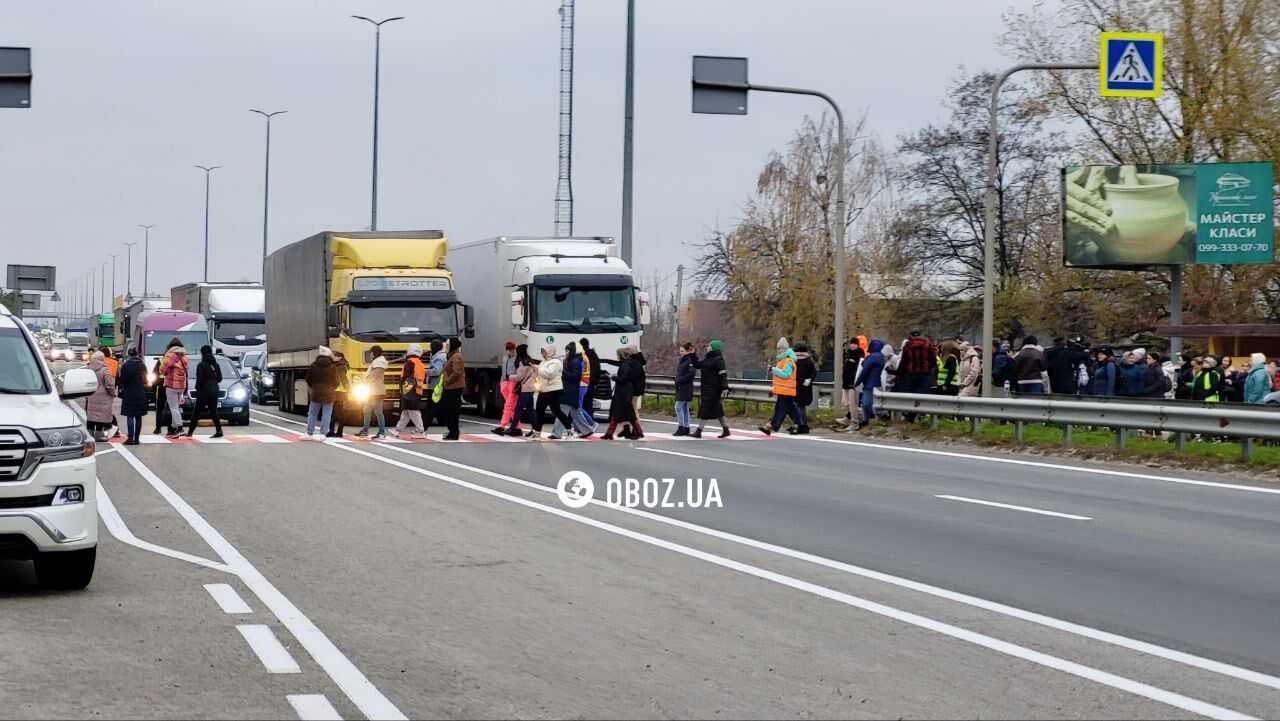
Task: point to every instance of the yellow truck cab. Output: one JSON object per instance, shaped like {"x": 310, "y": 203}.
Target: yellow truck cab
{"x": 351, "y": 291}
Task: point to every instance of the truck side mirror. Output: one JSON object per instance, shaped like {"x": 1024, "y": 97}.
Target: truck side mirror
{"x": 517, "y": 309}
{"x": 646, "y": 313}
{"x": 469, "y": 321}
{"x": 333, "y": 320}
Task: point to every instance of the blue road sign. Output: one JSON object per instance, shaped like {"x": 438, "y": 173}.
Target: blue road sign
{"x": 1130, "y": 64}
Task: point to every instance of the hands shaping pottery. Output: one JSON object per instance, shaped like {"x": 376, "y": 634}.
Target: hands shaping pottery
{"x": 1115, "y": 220}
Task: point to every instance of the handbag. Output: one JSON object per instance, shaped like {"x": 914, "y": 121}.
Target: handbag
{"x": 438, "y": 391}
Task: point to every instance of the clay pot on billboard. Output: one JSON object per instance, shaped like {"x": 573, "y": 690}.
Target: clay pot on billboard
{"x": 1150, "y": 219}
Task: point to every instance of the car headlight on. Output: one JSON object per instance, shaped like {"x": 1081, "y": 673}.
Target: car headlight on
{"x": 237, "y": 393}
{"x": 64, "y": 444}
{"x": 268, "y": 380}
{"x": 360, "y": 392}
{"x": 152, "y": 378}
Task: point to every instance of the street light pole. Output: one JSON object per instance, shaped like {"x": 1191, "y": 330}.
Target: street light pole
{"x": 628, "y": 125}
{"x": 111, "y": 303}
{"x": 128, "y": 271}
{"x": 266, "y": 187}
{"x": 989, "y": 229}
{"x": 208, "y": 171}
{"x": 839, "y": 251}
{"x": 146, "y": 258}
{"x": 102, "y": 286}
{"x": 377, "y": 71}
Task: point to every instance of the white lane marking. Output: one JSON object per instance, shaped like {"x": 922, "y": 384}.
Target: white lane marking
{"x": 152, "y": 439}
{"x": 1151, "y": 649}
{"x": 105, "y": 451}
{"x": 273, "y": 655}
{"x": 353, "y": 683}
{"x": 1121, "y": 683}
{"x": 691, "y": 455}
{"x": 1041, "y": 464}
{"x": 116, "y": 525}
{"x": 211, "y": 439}
{"x": 313, "y": 707}
{"x": 267, "y": 438}
{"x": 228, "y": 600}
{"x": 1014, "y": 508}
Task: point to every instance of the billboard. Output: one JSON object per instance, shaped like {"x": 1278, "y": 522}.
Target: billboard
{"x": 1142, "y": 215}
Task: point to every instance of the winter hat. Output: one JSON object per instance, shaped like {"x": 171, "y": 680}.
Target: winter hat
{"x": 454, "y": 344}
{"x": 97, "y": 355}
{"x": 325, "y": 352}
{"x": 716, "y": 345}
{"x": 1140, "y": 353}
{"x": 783, "y": 344}
{"x": 1210, "y": 362}
{"x": 511, "y": 345}
{"x": 415, "y": 349}
{"x": 549, "y": 351}
{"x": 1258, "y": 359}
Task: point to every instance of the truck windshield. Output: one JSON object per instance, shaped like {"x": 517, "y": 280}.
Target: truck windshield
{"x": 403, "y": 322}
{"x": 241, "y": 332}
{"x": 582, "y": 308}
{"x": 19, "y": 367}
{"x": 155, "y": 341}
{"x": 78, "y": 339}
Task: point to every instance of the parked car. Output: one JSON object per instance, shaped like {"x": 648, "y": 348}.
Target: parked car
{"x": 233, "y": 394}
{"x": 48, "y": 473}
{"x": 262, "y": 382}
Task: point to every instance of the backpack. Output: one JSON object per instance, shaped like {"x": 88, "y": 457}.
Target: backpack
{"x": 1119, "y": 377}
{"x": 1168, "y": 384}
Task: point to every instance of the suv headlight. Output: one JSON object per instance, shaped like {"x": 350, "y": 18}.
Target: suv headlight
{"x": 237, "y": 393}
{"x": 152, "y": 378}
{"x": 64, "y": 444}
{"x": 268, "y": 379}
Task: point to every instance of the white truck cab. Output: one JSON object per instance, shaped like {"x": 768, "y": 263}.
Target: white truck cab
{"x": 48, "y": 475}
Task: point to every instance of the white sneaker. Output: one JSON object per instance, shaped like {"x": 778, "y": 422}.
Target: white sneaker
{"x": 394, "y": 432}
{"x": 416, "y": 434}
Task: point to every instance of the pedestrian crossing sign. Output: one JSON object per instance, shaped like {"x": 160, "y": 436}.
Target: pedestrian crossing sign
{"x": 1130, "y": 64}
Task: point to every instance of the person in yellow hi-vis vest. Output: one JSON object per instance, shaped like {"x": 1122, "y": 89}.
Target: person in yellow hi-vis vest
{"x": 783, "y": 372}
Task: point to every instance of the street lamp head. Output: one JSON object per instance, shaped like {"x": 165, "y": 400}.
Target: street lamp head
{"x": 147, "y": 227}
{"x": 208, "y": 168}
{"x": 267, "y": 115}
{"x": 376, "y": 22}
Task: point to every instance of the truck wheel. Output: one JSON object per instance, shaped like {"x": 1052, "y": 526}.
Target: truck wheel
{"x": 282, "y": 399}
{"x": 486, "y": 392}
{"x": 65, "y": 570}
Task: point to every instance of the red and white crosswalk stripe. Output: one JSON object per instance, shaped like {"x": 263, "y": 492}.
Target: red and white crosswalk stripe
{"x": 251, "y": 438}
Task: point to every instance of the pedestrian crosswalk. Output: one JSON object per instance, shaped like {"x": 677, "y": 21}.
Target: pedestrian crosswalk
{"x": 251, "y": 438}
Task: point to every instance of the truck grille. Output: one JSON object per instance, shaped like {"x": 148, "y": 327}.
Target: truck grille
{"x": 13, "y": 452}
{"x": 392, "y": 356}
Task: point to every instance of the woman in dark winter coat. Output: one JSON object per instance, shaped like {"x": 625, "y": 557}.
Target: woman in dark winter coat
{"x": 132, "y": 387}
{"x": 715, "y": 385}
{"x": 622, "y": 409}
{"x": 806, "y": 371}
{"x": 685, "y": 374}
{"x": 208, "y": 379}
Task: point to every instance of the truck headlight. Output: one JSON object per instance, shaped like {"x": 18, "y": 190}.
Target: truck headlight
{"x": 237, "y": 393}
{"x": 360, "y": 392}
{"x": 64, "y": 444}
{"x": 152, "y": 378}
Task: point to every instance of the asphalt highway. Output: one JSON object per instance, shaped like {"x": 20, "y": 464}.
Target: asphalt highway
{"x": 267, "y": 577}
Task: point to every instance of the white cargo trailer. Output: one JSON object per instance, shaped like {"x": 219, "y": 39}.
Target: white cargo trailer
{"x": 539, "y": 291}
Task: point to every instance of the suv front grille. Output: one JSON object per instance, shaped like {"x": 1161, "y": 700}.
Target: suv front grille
{"x": 13, "y": 452}
{"x": 27, "y": 501}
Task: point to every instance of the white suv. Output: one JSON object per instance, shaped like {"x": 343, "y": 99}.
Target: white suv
{"x": 48, "y": 477}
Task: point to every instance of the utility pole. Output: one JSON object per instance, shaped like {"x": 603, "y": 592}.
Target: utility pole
{"x": 564, "y": 179}
{"x": 128, "y": 271}
{"x": 146, "y": 258}
{"x": 208, "y": 171}
{"x": 628, "y": 125}
{"x": 266, "y": 188}
{"x": 675, "y": 324}
{"x": 377, "y": 70}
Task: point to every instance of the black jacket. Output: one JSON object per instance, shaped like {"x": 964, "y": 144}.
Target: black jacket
{"x": 1063, "y": 362}
{"x": 685, "y": 374}
{"x": 806, "y": 370}
{"x": 132, "y": 387}
{"x": 637, "y": 372}
{"x": 622, "y": 408}
{"x": 851, "y": 360}
{"x": 597, "y": 376}
{"x": 715, "y": 380}
{"x": 208, "y": 377}
{"x": 1153, "y": 381}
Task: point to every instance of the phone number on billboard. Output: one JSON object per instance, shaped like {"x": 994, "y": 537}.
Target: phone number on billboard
{"x": 1231, "y": 247}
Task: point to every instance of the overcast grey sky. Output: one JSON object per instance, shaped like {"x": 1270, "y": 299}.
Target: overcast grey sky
{"x": 129, "y": 94}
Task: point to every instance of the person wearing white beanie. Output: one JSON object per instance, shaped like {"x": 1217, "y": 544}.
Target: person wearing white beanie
{"x": 324, "y": 351}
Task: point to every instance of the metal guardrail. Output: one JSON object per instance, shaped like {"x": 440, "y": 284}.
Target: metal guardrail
{"x": 1181, "y": 418}
{"x": 740, "y": 389}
